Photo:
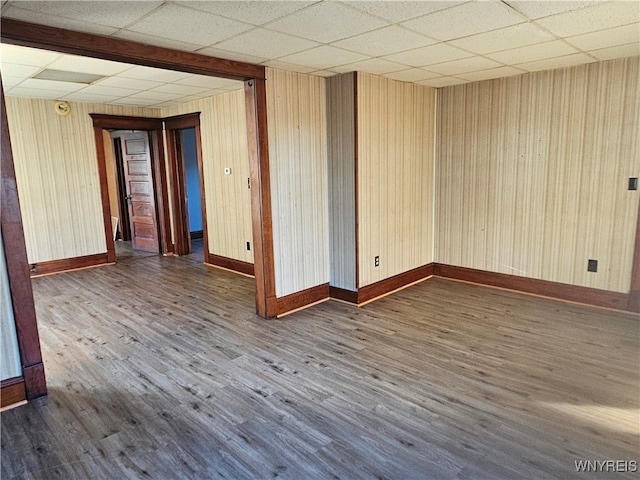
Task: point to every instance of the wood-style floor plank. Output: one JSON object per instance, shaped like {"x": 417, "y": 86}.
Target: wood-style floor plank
{"x": 158, "y": 368}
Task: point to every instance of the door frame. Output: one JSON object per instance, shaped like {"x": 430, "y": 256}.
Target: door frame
{"x": 154, "y": 128}
{"x": 45, "y": 37}
{"x": 175, "y": 160}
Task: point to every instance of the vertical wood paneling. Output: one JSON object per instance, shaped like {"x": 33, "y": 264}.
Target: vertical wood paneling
{"x": 10, "y": 365}
{"x": 228, "y": 199}
{"x": 57, "y": 176}
{"x": 532, "y": 174}
{"x": 296, "y": 112}
{"x": 395, "y": 173}
{"x": 342, "y": 180}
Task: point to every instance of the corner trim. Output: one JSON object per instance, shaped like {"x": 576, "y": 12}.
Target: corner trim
{"x": 230, "y": 264}
{"x": 303, "y": 298}
{"x": 544, "y": 288}
{"x": 388, "y": 285}
{"x": 66, "y": 264}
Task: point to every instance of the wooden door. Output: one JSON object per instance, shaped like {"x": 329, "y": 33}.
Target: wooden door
{"x": 138, "y": 175}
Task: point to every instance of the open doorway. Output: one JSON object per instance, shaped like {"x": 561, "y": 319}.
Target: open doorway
{"x": 195, "y": 216}
{"x": 184, "y": 150}
{"x": 132, "y": 199}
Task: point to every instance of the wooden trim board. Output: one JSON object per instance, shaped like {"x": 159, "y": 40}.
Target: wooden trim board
{"x": 15, "y": 250}
{"x": 66, "y": 264}
{"x": 544, "y": 288}
{"x": 301, "y": 299}
{"x": 12, "y": 391}
{"x": 229, "y": 263}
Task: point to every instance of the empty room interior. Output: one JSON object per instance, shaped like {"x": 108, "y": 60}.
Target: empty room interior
{"x": 320, "y": 239}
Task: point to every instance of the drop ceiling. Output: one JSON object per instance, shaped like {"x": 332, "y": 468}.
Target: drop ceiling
{"x": 434, "y": 43}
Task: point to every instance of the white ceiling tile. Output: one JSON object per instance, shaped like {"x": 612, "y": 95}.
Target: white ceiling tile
{"x": 22, "y": 71}
{"x": 442, "y": 82}
{"x": 155, "y": 74}
{"x": 539, "y": 9}
{"x": 254, "y": 12}
{"x": 491, "y": 73}
{"x": 324, "y": 57}
{"x": 375, "y": 66}
{"x": 73, "y": 63}
{"x": 108, "y": 91}
{"x": 54, "y": 21}
{"x": 154, "y": 95}
{"x": 187, "y": 25}
{"x": 157, "y": 41}
{"x": 239, "y": 57}
{"x": 323, "y": 73}
{"x": 431, "y": 54}
{"x": 594, "y": 18}
{"x": 465, "y": 65}
{"x": 8, "y": 81}
{"x": 557, "y": 62}
{"x": 465, "y": 20}
{"x": 412, "y": 75}
{"x": 180, "y": 89}
{"x": 266, "y": 44}
{"x": 292, "y": 67}
{"x": 26, "y": 56}
{"x": 51, "y": 85}
{"x": 399, "y": 11}
{"x": 210, "y": 82}
{"x": 134, "y": 83}
{"x": 117, "y": 14}
{"x": 509, "y": 37}
{"x": 327, "y": 22}
{"x": 532, "y": 53}
{"x": 607, "y": 38}
{"x": 136, "y": 102}
{"x": 36, "y": 93}
{"x": 90, "y": 98}
{"x": 620, "y": 51}
{"x": 385, "y": 41}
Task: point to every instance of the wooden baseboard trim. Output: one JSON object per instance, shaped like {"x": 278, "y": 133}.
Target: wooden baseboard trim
{"x": 196, "y": 234}
{"x": 544, "y": 288}
{"x": 388, "y": 285}
{"x": 344, "y": 295}
{"x": 302, "y": 299}
{"x": 12, "y": 391}
{"x": 230, "y": 264}
{"x": 67, "y": 264}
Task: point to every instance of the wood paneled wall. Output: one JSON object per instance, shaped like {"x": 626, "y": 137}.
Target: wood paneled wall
{"x": 10, "y": 365}
{"x": 228, "y": 199}
{"x": 341, "y": 150}
{"x": 57, "y": 176}
{"x": 395, "y": 174}
{"x": 532, "y": 174}
{"x": 296, "y": 112}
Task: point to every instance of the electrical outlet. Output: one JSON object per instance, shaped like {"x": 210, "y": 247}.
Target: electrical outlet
{"x": 248, "y": 245}
{"x": 633, "y": 183}
{"x": 376, "y": 261}
{"x": 592, "y": 265}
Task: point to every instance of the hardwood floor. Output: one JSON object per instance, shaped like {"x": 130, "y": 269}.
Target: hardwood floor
{"x": 158, "y": 368}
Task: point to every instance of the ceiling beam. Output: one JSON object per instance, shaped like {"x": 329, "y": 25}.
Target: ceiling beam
{"x": 17, "y": 32}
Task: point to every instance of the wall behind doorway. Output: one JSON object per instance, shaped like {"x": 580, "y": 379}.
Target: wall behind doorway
{"x": 223, "y": 130}
{"x": 57, "y": 176}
